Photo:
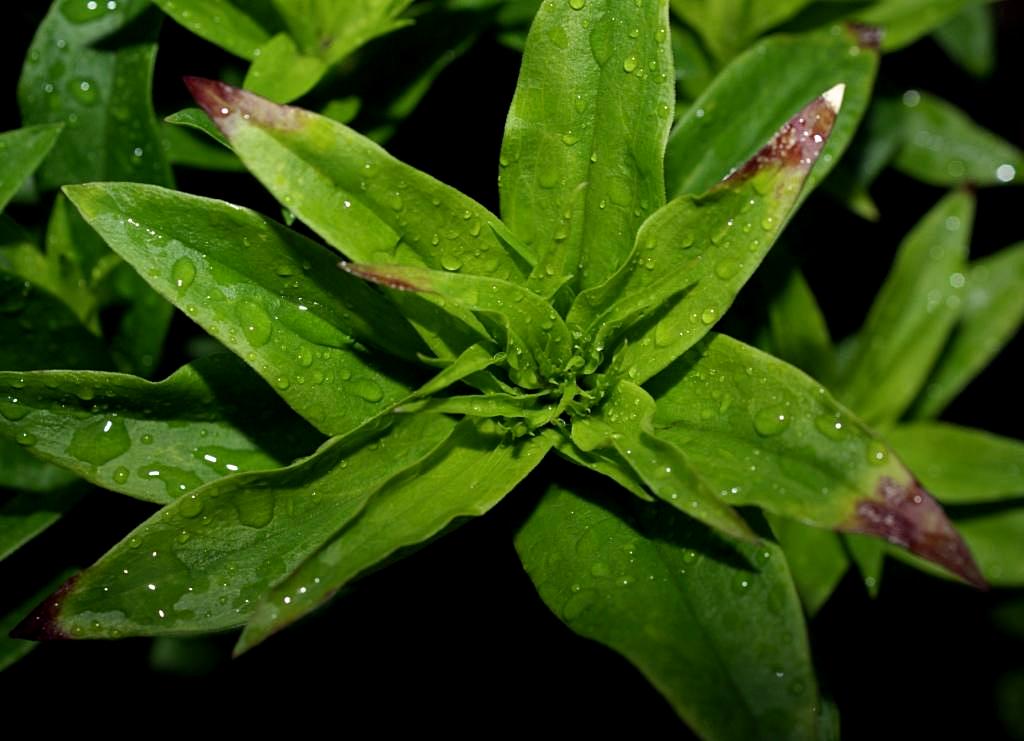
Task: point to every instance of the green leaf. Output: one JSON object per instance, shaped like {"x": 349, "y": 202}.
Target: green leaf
{"x": 728, "y": 26}
{"x": 465, "y": 477}
{"x": 624, "y": 423}
{"x": 969, "y": 38}
{"x": 38, "y": 331}
{"x": 798, "y": 331}
{"x": 195, "y": 118}
{"x": 220, "y": 22}
{"x": 22, "y": 151}
{"x": 78, "y": 75}
{"x": 961, "y": 465}
{"x": 868, "y": 555}
{"x": 578, "y": 174}
{"x": 694, "y": 71}
{"x": 271, "y": 296}
{"x": 905, "y": 21}
{"x": 699, "y": 251}
{"x": 991, "y": 313}
{"x": 188, "y": 150}
{"x": 76, "y": 261}
{"x": 762, "y": 433}
{"x": 913, "y": 314}
{"x": 943, "y": 146}
{"x": 21, "y": 471}
{"x": 219, "y": 549}
{"x": 13, "y": 650}
{"x": 816, "y": 558}
{"x": 716, "y": 627}
{"x": 539, "y": 343}
{"x": 995, "y": 540}
{"x": 757, "y": 93}
{"x": 25, "y": 515}
{"x": 154, "y": 441}
{"x": 283, "y": 73}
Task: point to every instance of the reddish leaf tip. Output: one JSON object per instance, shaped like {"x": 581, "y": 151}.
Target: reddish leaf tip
{"x": 41, "y": 624}
{"x": 868, "y": 37}
{"x": 379, "y": 275}
{"x": 910, "y": 517}
{"x": 226, "y": 104}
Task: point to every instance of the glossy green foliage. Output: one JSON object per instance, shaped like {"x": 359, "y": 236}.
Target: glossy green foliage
{"x": 22, "y": 151}
{"x": 816, "y": 558}
{"x": 914, "y": 313}
{"x": 76, "y": 76}
{"x": 728, "y": 26}
{"x": 154, "y": 441}
{"x": 221, "y": 22}
{"x": 738, "y": 112}
{"x": 264, "y": 297}
{"x": 969, "y": 39}
{"x": 905, "y": 21}
{"x": 717, "y": 627}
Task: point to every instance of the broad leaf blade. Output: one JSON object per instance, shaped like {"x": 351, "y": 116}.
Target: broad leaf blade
{"x": 728, "y": 26}
{"x": 730, "y": 230}
{"x": 271, "y": 296}
{"x": 911, "y": 318}
{"x": 763, "y": 433}
{"x": 727, "y": 124}
{"x": 961, "y": 465}
{"x": 220, "y": 22}
{"x": 22, "y": 150}
{"x": 991, "y": 313}
{"x": 465, "y": 477}
{"x": 716, "y": 628}
{"x": 943, "y": 146}
{"x": 579, "y": 175}
{"x": 203, "y": 562}
{"x": 154, "y": 441}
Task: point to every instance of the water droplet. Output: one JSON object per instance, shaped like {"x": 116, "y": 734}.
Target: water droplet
{"x": 831, "y": 426}
{"x": 83, "y": 90}
{"x": 771, "y": 421}
{"x": 26, "y": 438}
{"x": 630, "y": 63}
{"x": 911, "y": 98}
{"x": 1005, "y": 173}
{"x": 183, "y": 273}
{"x": 100, "y": 442}
{"x": 190, "y": 506}
{"x": 727, "y": 269}
{"x": 120, "y": 475}
{"x": 451, "y": 261}
{"x": 12, "y": 409}
{"x": 709, "y": 315}
{"x": 877, "y": 453}
{"x": 577, "y": 4}
{"x": 742, "y": 585}
{"x": 367, "y": 390}
{"x": 255, "y": 323}
{"x": 660, "y": 35}
{"x": 394, "y": 200}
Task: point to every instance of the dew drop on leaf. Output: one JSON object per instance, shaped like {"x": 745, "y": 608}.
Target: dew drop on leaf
{"x": 771, "y": 421}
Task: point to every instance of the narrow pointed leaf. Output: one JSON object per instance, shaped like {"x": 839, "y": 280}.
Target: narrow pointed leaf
{"x": 913, "y": 314}
{"x": 22, "y": 150}
{"x": 991, "y": 313}
{"x": 24, "y": 516}
{"x": 186, "y": 149}
{"x": 995, "y": 539}
{"x": 220, "y": 22}
{"x": 39, "y": 331}
{"x": 465, "y": 477}
{"x": 961, "y": 465}
{"x": 717, "y": 628}
{"x": 196, "y": 119}
{"x": 730, "y": 230}
{"x": 728, "y": 26}
{"x": 799, "y": 334}
{"x": 868, "y": 555}
{"x": 624, "y": 423}
{"x": 763, "y": 433}
{"x": 905, "y": 21}
{"x": 585, "y": 136}
{"x": 943, "y": 146}
{"x": 269, "y": 295}
{"x": 21, "y": 471}
{"x": 74, "y": 74}
{"x": 282, "y": 72}
{"x": 740, "y": 111}
{"x": 334, "y": 30}
{"x": 816, "y": 559}
{"x": 13, "y": 650}
{"x": 607, "y": 462}
{"x": 220, "y": 548}
{"x": 540, "y": 345}
{"x": 969, "y": 38}
{"x": 139, "y": 438}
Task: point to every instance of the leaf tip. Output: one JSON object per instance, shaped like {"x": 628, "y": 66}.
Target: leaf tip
{"x": 908, "y": 516}
{"x": 833, "y": 97}
{"x": 227, "y": 105}
{"x": 866, "y": 35}
{"x": 42, "y": 623}
{"x": 380, "y": 275}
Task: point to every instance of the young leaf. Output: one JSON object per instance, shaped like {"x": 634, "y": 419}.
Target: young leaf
{"x": 762, "y": 433}
{"x": 729, "y": 229}
{"x": 74, "y": 76}
{"x": 905, "y": 21}
{"x": 22, "y": 151}
{"x": 154, "y": 441}
{"x": 202, "y": 562}
{"x": 717, "y": 628}
{"x": 624, "y": 423}
{"x": 991, "y": 313}
{"x": 733, "y": 118}
{"x": 995, "y": 538}
{"x": 913, "y": 314}
{"x": 815, "y": 557}
{"x": 728, "y": 26}
{"x": 271, "y": 296}
{"x": 37, "y": 331}
{"x": 799, "y": 334}
{"x": 334, "y": 30}
{"x": 25, "y": 515}
{"x": 220, "y": 22}
{"x": 943, "y": 146}
{"x": 969, "y": 38}
{"x": 196, "y": 119}
{"x": 465, "y": 477}
{"x": 282, "y": 72}
{"x": 868, "y": 555}
{"x": 960, "y": 465}
{"x": 579, "y": 175}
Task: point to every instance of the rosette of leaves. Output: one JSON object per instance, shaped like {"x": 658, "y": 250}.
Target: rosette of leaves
{"x": 449, "y": 351}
